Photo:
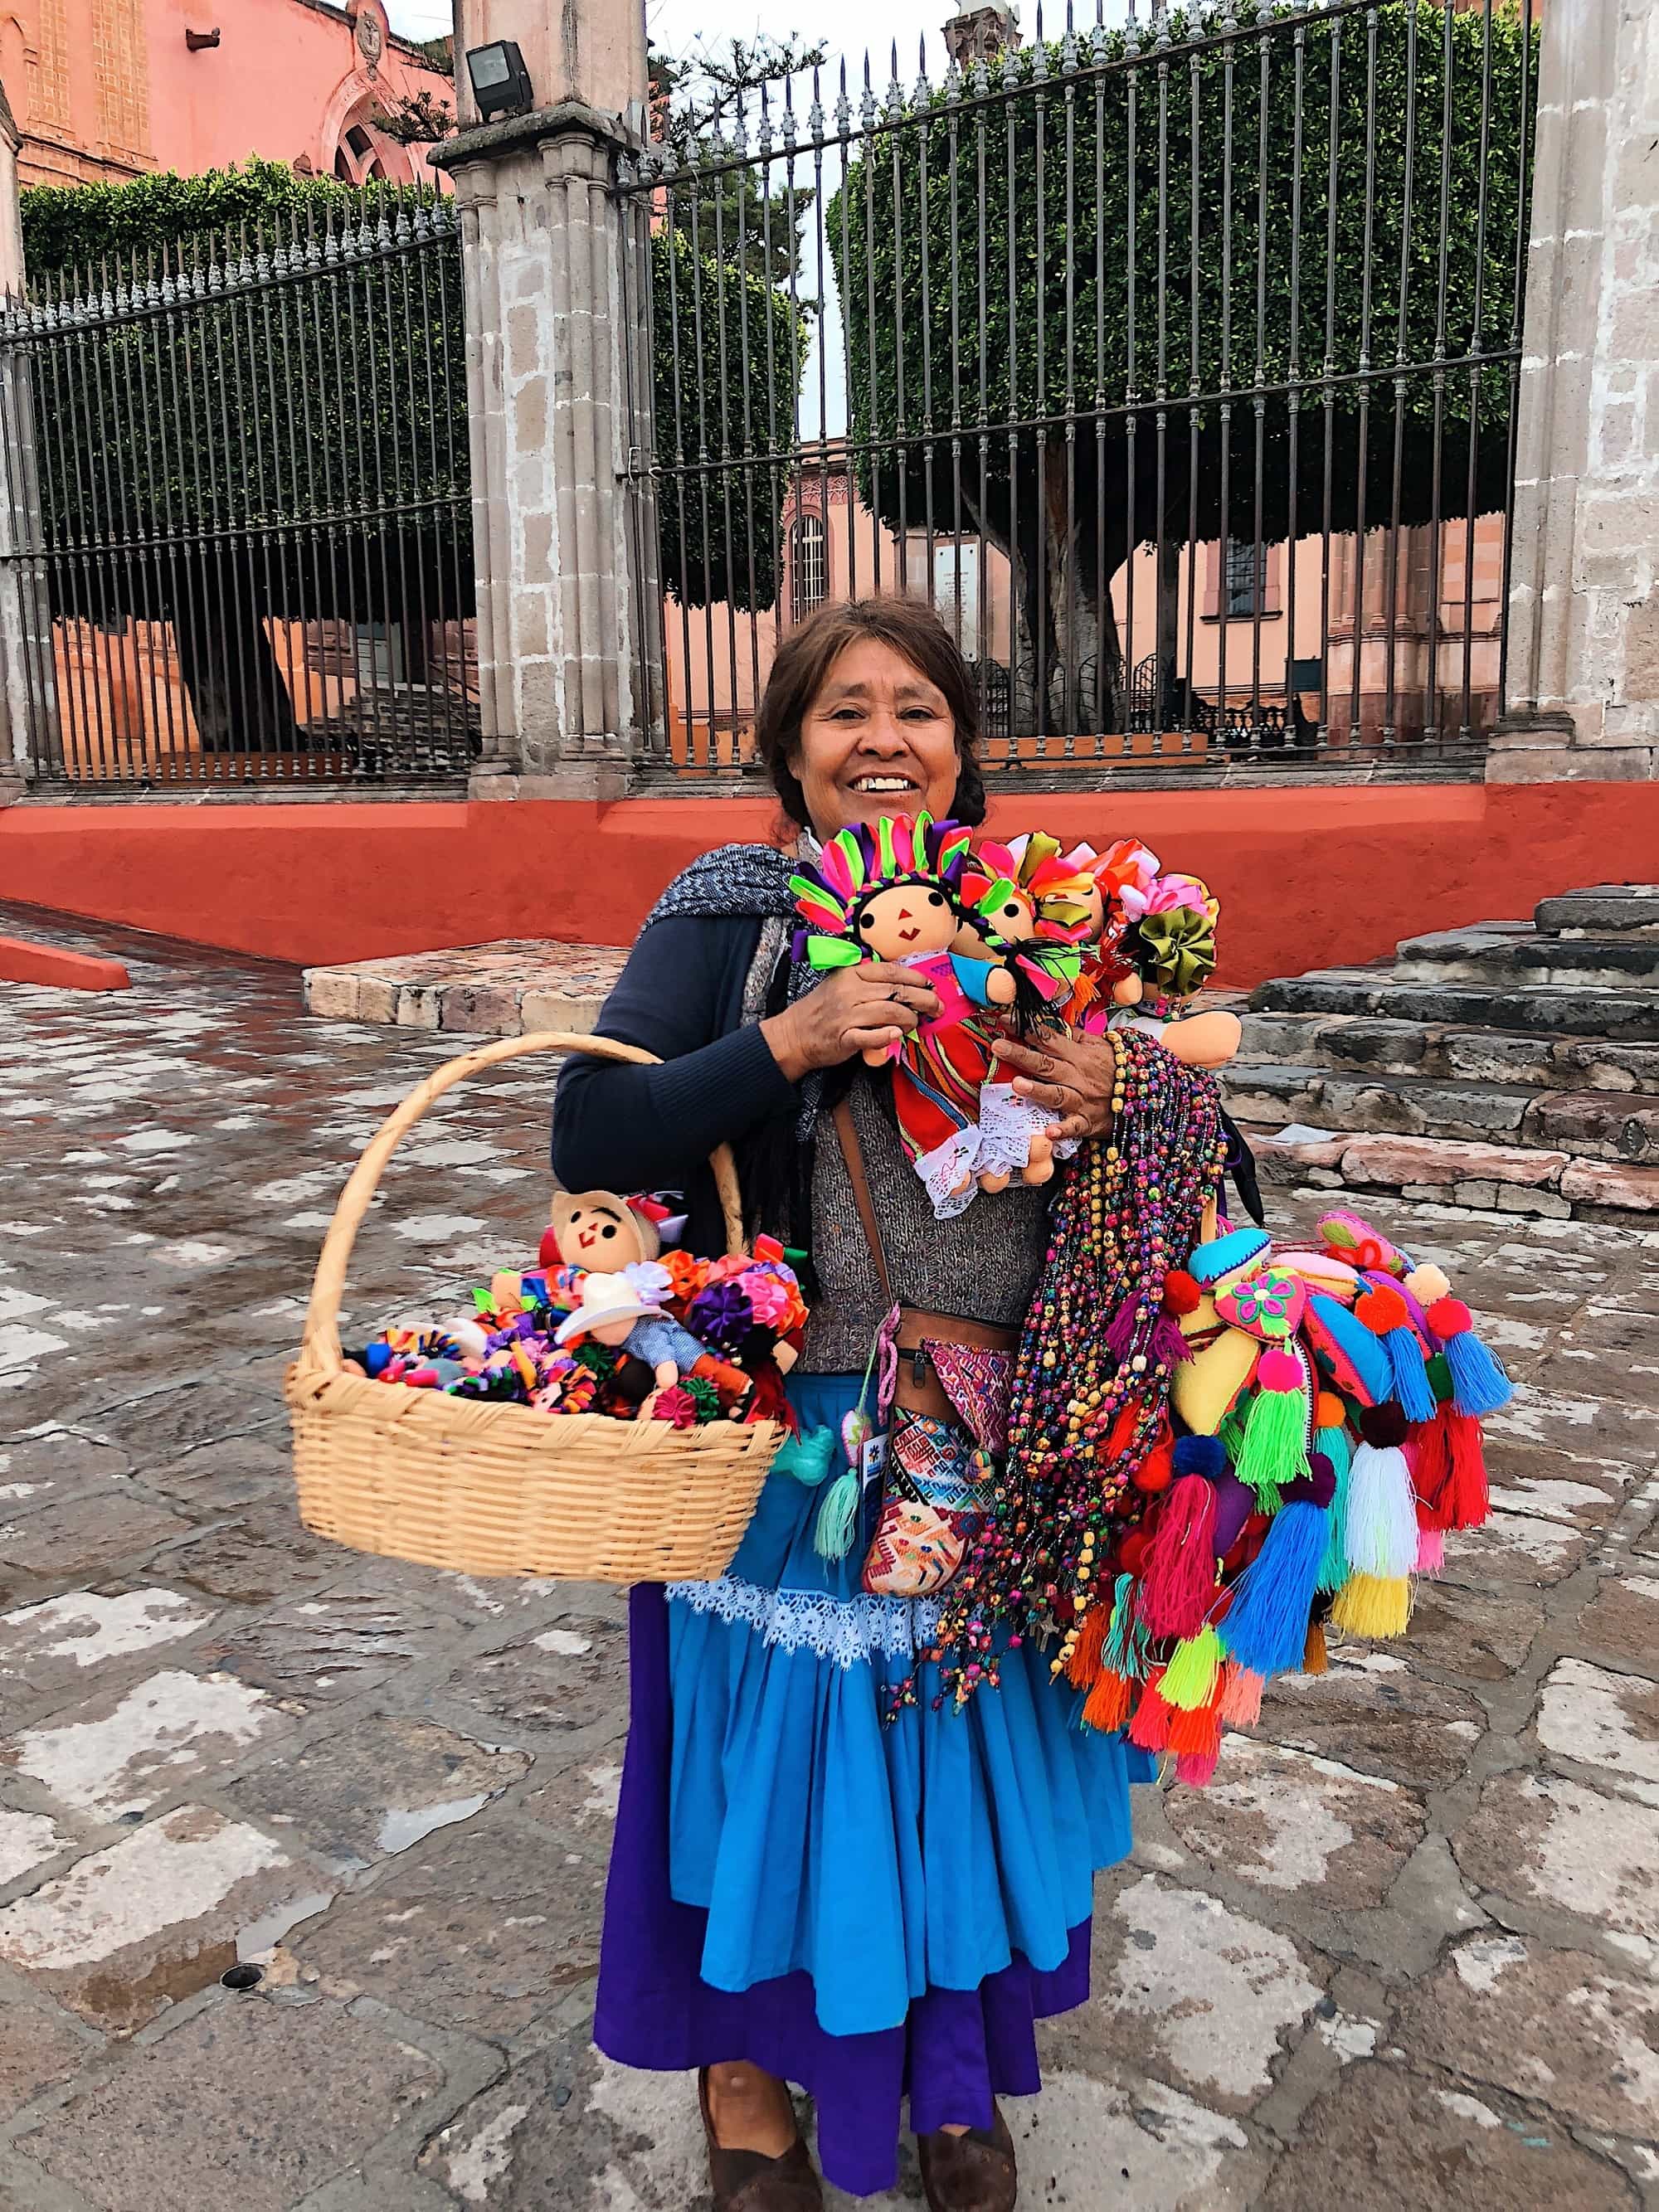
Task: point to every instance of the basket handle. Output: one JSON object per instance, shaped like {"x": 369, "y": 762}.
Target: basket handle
{"x": 320, "y": 1341}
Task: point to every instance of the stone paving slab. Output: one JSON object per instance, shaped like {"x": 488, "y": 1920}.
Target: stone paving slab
{"x": 1404, "y": 1951}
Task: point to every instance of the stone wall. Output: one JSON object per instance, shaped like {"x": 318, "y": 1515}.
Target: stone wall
{"x": 1583, "y": 660}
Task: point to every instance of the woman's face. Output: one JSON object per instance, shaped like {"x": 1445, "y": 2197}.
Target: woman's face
{"x": 877, "y": 740}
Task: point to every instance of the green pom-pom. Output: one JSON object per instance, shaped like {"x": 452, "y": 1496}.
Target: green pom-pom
{"x": 838, "y": 1516}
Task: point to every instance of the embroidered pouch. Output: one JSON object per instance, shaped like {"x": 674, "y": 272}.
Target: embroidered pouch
{"x": 937, "y": 1488}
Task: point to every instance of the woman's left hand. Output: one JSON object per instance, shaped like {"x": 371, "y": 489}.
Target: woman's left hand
{"x": 1071, "y": 1075}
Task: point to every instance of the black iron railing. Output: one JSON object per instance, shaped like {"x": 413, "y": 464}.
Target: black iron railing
{"x": 241, "y": 540}
{"x": 1189, "y": 345}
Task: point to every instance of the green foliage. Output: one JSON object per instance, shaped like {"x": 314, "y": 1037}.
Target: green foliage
{"x": 313, "y": 431}
{"x": 1047, "y": 218}
{"x": 70, "y": 226}
{"x": 719, "y": 514}
{"x": 300, "y": 441}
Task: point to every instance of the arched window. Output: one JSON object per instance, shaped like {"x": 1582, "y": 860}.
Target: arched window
{"x": 809, "y": 564}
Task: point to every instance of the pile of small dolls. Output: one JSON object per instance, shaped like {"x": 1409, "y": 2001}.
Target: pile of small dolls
{"x": 613, "y": 1322}
{"x": 1323, "y": 1438}
{"x": 1014, "y": 939}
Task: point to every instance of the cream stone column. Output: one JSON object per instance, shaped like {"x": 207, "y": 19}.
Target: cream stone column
{"x": 24, "y": 624}
{"x": 559, "y": 390}
{"x": 1584, "y": 641}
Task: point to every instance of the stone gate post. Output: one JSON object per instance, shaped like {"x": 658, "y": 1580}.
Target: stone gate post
{"x": 559, "y": 390}
{"x": 1583, "y": 650}
{"x": 27, "y": 681}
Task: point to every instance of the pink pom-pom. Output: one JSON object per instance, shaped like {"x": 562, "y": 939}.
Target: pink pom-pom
{"x": 1278, "y": 1370}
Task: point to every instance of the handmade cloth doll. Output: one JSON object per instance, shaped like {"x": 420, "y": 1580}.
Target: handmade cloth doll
{"x": 657, "y": 1352}
{"x": 1006, "y": 967}
{"x": 1148, "y": 943}
{"x": 601, "y": 1232}
{"x": 893, "y": 893}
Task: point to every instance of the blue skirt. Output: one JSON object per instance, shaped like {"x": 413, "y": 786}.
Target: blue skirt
{"x": 863, "y": 1877}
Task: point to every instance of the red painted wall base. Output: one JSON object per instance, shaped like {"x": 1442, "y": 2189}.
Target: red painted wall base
{"x": 1307, "y": 877}
{"x": 22, "y": 963}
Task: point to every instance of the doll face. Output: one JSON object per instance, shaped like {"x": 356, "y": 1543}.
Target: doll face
{"x": 905, "y": 921}
{"x": 1013, "y": 919}
{"x": 878, "y": 738}
{"x": 601, "y": 1235}
{"x": 612, "y": 1333}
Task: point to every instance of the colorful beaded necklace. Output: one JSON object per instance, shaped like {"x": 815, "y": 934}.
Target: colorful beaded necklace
{"x": 1085, "y": 1410}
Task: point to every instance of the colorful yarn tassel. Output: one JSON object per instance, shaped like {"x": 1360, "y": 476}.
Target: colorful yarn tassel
{"x": 1314, "y": 1659}
{"x": 1468, "y": 1499}
{"x": 1374, "y": 1606}
{"x": 838, "y": 1516}
{"x": 1275, "y": 1446}
{"x": 1267, "y": 1625}
{"x": 1083, "y": 1661}
{"x": 1190, "y": 1678}
{"x": 1177, "y": 1578}
{"x": 1241, "y": 1696}
{"x": 1196, "y": 1734}
{"x": 1149, "y": 1727}
{"x": 1333, "y": 1568}
{"x": 1385, "y": 1313}
{"x": 1106, "y": 1705}
{"x": 1479, "y": 1382}
{"x": 1430, "y": 1551}
{"x": 1380, "y": 1534}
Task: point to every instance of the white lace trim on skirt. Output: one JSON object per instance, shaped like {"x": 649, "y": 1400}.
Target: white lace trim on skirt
{"x": 843, "y": 1630}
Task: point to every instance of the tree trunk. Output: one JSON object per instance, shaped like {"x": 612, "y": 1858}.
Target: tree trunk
{"x": 237, "y": 694}
{"x": 1171, "y": 710}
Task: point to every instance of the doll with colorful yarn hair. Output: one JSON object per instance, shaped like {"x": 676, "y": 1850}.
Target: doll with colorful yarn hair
{"x": 1009, "y": 966}
{"x": 893, "y": 892}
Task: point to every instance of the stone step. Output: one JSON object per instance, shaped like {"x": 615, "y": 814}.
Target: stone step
{"x": 1373, "y": 1044}
{"x": 505, "y": 989}
{"x": 1535, "y": 1010}
{"x": 1589, "y": 1124}
{"x": 1513, "y": 953}
{"x": 1602, "y": 910}
{"x": 1504, "y": 1179}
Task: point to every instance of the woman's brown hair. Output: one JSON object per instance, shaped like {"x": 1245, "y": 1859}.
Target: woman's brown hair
{"x": 915, "y": 632}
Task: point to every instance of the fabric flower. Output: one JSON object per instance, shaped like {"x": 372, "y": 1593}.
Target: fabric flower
{"x": 721, "y": 1315}
{"x": 676, "y": 1406}
{"x": 649, "y": 1280}
{"x": 767, "y": 1297}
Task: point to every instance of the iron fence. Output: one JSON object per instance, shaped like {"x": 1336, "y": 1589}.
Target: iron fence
{"x": 1175, "y": 361}
{"x": 240, "y": 545}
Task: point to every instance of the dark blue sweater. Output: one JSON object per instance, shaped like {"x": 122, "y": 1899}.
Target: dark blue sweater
{"x": 646, "y": 1128}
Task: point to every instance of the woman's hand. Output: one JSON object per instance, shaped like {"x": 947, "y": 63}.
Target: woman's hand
{"x": 873, "y": 1003}
{"x": 1071, "y": 1076}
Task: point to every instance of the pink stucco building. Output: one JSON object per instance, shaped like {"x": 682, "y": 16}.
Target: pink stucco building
{"x": 105, "y": 89}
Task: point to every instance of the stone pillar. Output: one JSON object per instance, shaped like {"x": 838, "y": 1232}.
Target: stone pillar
{"x": 559, "y": 393}
{"x": 25, "y": 623}
{"x": 1584, "y": 644}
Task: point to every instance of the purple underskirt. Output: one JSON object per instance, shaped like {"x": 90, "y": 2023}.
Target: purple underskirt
{"x": 955, "y": 2051}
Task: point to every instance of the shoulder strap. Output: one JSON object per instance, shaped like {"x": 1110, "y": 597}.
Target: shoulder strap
{"x": 852, "y": 1153}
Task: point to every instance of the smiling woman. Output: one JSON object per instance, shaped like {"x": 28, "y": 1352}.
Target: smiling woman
{"x": 798, "y": 1893}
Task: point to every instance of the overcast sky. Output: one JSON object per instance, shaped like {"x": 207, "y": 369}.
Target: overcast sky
{"x": 851, "y": 25}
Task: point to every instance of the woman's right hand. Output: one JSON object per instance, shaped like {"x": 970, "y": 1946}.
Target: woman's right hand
{"x": 872, "y": 1005}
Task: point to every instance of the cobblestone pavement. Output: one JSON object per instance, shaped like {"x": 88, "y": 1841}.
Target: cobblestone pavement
{"x": 1403, "y": 1952}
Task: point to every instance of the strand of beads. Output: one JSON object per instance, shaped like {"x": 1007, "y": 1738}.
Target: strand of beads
{"x": 1082, "y": 1419}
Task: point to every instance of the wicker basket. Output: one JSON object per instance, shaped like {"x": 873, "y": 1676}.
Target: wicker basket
{"x": 497, "y": 1488}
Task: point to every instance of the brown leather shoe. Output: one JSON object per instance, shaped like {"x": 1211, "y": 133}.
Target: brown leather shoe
{"x": 744, "y": 2181}
{"x": 973, "y": 2172}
